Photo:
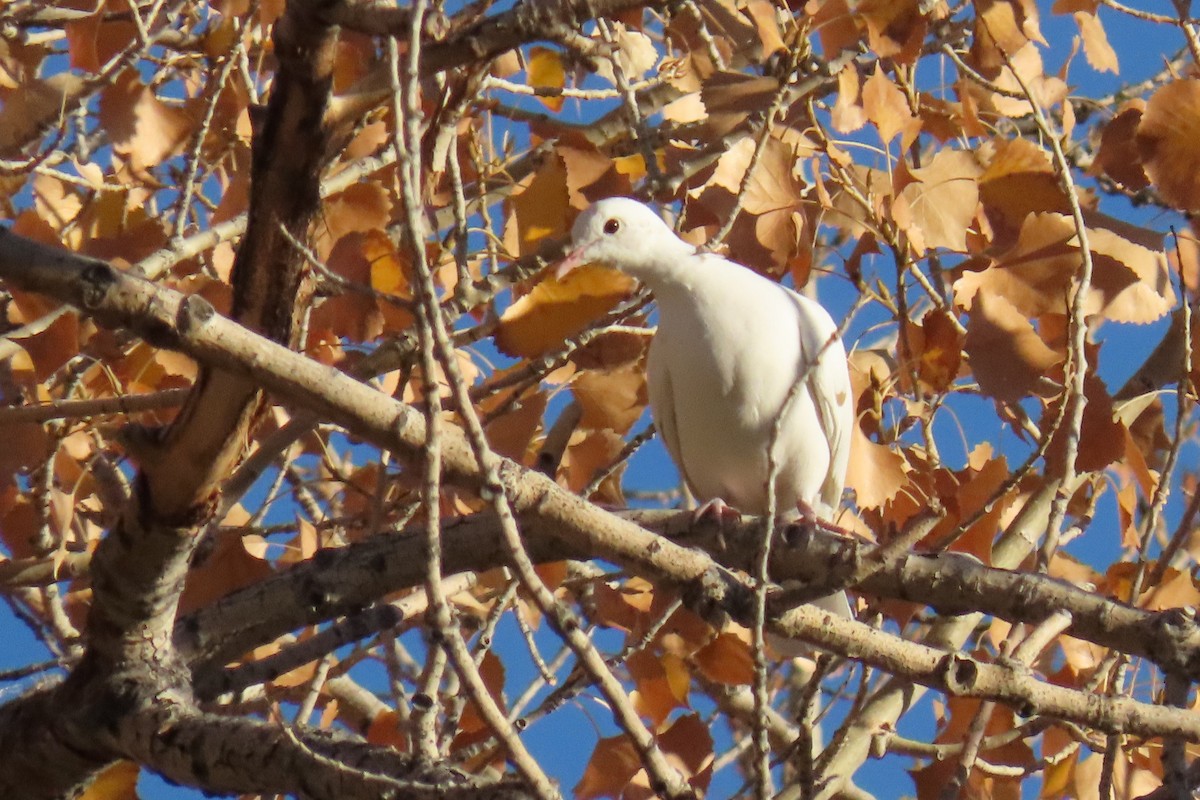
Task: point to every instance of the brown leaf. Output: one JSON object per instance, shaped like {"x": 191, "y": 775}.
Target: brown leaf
{"x": 613, "y": 764}
{"x": 1118, "y": 156}
{"x": 690, "y": 745}
{"x": 726, "y": 659}
{"x": 1132, "y": 781}
{"x": 942, "y": 201}
{"x": 895, "y": 28}
{"x": 1166, "y": 140}
{"x": 611, "y": 400}
{"x": 730, "y": 97}
{"x": 1101, "y": 438}
{"x": 1006, "y": 355}
{"x": 141, "y": 127}
{"x": 388, "y": 730}
{"x": 634, "y": 52}
{"x": 848, "y": 114}
{"x": 228, "y": 567}
{"x": 876, "y": 472}
{"x": 887, "y": 107}
{"x": 999, "y": 31}
{"x": 613, "y": 349}
{"x": 360, "y": 208}
{"x": 1019, "y": 179}
{"x": 491, "y": 669}
{"x": 589, "y": 454}
{"x": 591, "y": 176}
{"x": 35, "y": 103}
{"x": 1176, "y": 590}
{"x": 1096, "y": 48}
{"x": 510, "y": 433}
{"x": 556, "y": 310}
{"x": 937, "y": 350}
{"x": 661, "y": 684}
{"x": 763, "y": 14}
{"x": 1130, "y": 281}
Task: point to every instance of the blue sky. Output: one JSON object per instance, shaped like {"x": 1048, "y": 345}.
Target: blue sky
{"x": 1141, "y": 48}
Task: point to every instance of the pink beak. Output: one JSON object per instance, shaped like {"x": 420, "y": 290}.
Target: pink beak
{"x": 575, "y": 259}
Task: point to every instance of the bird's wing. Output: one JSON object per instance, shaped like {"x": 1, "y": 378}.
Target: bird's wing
{"x": 662, "y": 400}
{"x": 828, "y": 383}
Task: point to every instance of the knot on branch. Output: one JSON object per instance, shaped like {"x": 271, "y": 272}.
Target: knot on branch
{"x": 193, "y": 312}
{"x": 95, "y": 282}
{"x": 959, "y": 673}
{"x": 1177, "y": 639}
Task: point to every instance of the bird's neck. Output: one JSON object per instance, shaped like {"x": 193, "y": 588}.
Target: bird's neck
{"x": 664, "y": 266}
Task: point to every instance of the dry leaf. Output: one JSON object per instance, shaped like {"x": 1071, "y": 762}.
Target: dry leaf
{"x": 545, "y": 71}
{"x": 1096, "y": 48}
{"x": 1130, "y": 280}
{"x": 1007, "y": 356}
{"x": 887, "y": 108}
{"x": 613, "y": 764}
{"x": 726, "y": 659}
{"x": 141, "y": 127}
{"x": 612, "y": 400}
{"x": 1167, "y": 141}
{"x": 942, "y": 201}
{"x": 555, "y": 310}
{"x": 661, "y": 684}
{"x": 1118, "y": 156}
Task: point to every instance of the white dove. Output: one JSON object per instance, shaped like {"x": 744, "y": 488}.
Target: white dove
{"x": 730, "y": 346}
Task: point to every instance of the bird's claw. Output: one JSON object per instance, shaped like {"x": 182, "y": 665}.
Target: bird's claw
{"x": 719, "y": 510}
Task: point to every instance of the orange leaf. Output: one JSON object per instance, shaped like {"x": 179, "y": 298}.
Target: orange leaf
{"x": 661, "y": 684}
{"x": 229, "y": 566}
{"x": 386, "y": 729}
{"x": 541, "y": 209}
{"x": 613, "y": 764}
{"x": 116, "y": 782}
{"x": 876, "y": 472}
{"x": 726, "y": 659}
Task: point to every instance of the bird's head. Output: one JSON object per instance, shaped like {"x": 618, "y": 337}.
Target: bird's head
{"x": 623, "y": 234}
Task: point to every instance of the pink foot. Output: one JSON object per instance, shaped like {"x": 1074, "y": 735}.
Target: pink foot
{"x": 719, "y": 510}
{"x": 809, "y": 517}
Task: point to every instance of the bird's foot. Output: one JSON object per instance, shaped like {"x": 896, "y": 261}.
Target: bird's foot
{"x": 719, "y": 510}
{"x": 808, "y": 516}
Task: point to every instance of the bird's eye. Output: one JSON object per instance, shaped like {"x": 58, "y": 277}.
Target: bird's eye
{"x": 612, "y": 226}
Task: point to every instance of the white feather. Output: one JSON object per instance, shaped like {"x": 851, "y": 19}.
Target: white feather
{"x": 730, "y": 346}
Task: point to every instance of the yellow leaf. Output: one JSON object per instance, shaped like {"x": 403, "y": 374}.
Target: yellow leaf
{"x": 387, "y": 270}
{"x": 546, "y": 73}
{"x": 117, "y": 782}
{"x": 555, "y": 310}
